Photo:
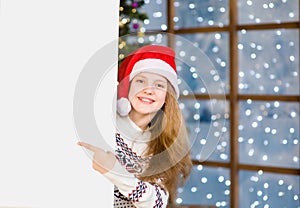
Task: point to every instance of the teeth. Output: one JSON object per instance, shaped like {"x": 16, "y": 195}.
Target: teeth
{"x": 146, "y": 100}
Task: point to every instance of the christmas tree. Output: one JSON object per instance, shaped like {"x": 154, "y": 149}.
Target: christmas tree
{"x": 130, "y": 17}
{"x": 130, "y": 22}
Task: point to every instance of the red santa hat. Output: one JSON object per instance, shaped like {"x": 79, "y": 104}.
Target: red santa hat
{"x": 151, "y": 58}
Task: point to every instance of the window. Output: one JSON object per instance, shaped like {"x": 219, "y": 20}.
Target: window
{"x": 254, "y": 58}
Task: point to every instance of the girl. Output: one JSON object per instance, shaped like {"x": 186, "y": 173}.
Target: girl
{"x": 152, "y": 151}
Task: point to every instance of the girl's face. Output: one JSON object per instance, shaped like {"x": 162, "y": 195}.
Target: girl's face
{"x": 147, "y": 93}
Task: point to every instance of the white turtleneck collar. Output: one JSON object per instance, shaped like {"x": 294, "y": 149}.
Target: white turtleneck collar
{"x": 131, "y": 131}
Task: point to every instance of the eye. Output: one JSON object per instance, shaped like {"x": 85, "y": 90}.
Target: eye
{"x": 161, "y": 86}
{"x": 139, "y": 81}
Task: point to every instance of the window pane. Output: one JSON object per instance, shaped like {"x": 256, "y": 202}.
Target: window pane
{"x": 212, "y": 71}
{"x": 269, "y": 133}
{"x": 208, "y": 186}
{"x": 208, "y": 128}
{"x": 269, "y": 62}
{"x": 266, "y": 190}
{"x": 157, "y": 15}
{"x": 268, "y": 11}
{"x": 190, "y": 13}
{"x": 196, "y": 72}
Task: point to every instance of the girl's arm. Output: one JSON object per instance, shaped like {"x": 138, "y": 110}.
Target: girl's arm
{"x": 142, "y": 194}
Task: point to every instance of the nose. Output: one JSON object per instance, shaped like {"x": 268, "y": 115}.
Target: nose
{"x": 149, "y": 90}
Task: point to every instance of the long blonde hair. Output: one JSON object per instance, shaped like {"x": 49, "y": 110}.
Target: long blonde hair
{"x": 169, "y": 147}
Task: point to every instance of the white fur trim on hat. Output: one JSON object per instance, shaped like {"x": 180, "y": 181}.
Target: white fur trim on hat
{"x": 156, "y": 66}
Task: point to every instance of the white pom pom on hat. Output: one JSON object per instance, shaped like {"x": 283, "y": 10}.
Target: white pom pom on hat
{"x": 123, "y": 106}
{"x": 151, "y": 58}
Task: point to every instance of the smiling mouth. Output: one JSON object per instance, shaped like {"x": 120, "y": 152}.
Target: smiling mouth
{"x": 146, "y": 100}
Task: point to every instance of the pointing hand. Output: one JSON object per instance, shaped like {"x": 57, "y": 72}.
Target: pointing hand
{"x": 103, "y": 161}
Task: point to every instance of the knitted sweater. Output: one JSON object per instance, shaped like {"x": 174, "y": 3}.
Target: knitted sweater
{"x": 131, "y": 143}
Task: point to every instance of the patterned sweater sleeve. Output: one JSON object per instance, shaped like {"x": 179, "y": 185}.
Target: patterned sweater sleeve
{"x": 142, "y": 194}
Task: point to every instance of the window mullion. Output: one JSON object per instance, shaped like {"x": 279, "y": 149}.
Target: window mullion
{"x": 234, "y": 108}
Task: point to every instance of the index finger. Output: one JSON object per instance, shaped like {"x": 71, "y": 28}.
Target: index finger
{"x": 88, "y": 146}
